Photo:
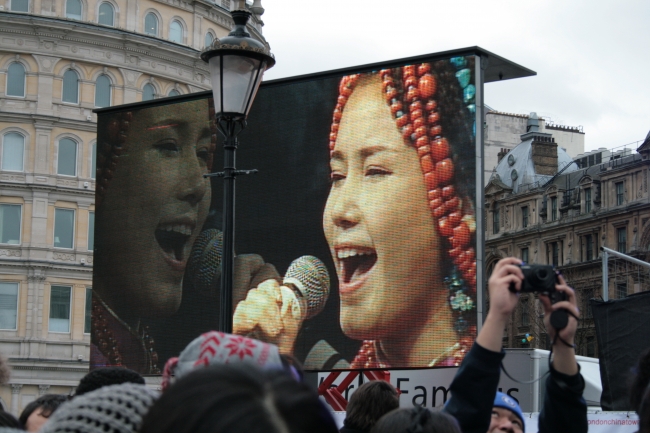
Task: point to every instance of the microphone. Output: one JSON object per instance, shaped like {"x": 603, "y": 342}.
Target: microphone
{"x": 204, "y": 264}
{"x": 307, "y": 276}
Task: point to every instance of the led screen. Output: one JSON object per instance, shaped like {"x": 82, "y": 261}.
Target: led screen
{"x": 371, "y": 173}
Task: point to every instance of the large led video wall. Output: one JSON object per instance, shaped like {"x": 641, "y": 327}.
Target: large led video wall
{"x": 355, "y": 243}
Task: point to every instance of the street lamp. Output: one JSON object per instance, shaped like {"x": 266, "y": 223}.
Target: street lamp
{"x": 237, "y": 64}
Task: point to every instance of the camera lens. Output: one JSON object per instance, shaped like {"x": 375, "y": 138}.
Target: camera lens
{"x": 542, "y": 274}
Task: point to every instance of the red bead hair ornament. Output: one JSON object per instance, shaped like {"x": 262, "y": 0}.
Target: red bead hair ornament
{"x": 413, "y": 104}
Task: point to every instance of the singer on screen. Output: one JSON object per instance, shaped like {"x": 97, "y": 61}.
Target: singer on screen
{"x": 399, "y": 219}
{"x": 151, "y": 204}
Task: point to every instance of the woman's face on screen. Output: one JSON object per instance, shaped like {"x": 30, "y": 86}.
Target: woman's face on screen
{"x": 155, "y": 207}
{"x": 377, "y": 221}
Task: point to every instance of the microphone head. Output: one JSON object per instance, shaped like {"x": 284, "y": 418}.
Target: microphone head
{"x": 309, "y": 275}
{"x": 204, "y": 264}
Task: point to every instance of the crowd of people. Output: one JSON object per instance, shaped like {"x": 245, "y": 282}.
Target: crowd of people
{"x": 229, "y": 383}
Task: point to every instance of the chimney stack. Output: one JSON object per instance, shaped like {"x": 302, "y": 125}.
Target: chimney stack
{"x": 544, "y": 153}
{"x": 503, "y": 152}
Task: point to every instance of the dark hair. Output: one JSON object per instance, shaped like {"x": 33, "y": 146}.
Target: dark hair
{"x": 8, "y": 420}
{"x": 238, "y": 398}
{"x": 369, "y": 403}
{"x": 416, "y": 420}
{"x": 640, "y": 379}
{"x": 107, "y": 376}
{"x": 644, "y": 411}
{"x": 47, "y": 403}
{"x": 293, "y": 366}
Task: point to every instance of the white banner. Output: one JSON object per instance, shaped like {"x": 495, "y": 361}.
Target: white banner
{"x": 601, "y": 422}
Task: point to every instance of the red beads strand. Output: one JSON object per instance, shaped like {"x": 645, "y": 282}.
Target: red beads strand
{"x": 418, "y": 120}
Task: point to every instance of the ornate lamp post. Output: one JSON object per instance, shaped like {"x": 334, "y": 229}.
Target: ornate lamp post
{"x": 237, "y": 63}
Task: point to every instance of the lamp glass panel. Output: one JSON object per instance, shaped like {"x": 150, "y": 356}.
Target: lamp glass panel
{"x": 239, "y": 82}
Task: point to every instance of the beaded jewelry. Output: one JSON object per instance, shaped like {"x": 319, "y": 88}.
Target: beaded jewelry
{"x": 410, "y": 92}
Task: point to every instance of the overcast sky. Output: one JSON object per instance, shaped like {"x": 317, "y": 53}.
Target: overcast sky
{"x": 592, "y": 57}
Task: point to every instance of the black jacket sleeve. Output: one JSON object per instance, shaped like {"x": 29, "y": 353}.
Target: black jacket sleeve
{"x": 564, "y": 408}
{"x": 473, "y": 389}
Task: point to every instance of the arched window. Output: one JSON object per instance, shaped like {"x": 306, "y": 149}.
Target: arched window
{"x": 70, "y": 87}
{"x": 106, "y": 14}
{"x": 20, "y": 5}
{"x": 67, "y": 163}
{"x": 13, "y": 149}
{"x": 176, "y": 32}
{"x": 73, "y": 9}
{"x": 208, "y": 39}
{"x": 151, "y": 24}
{"x": 16, "y": 80}
{"x": 148, "y": 92}
{"x": 102, "y": 91}
{"x": 173, "y": 92}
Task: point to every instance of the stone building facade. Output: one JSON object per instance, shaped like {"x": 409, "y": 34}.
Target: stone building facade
{"x": 502, "y": 132}
{"x": 59, "y": 60}
{"x": 563, "y": 219}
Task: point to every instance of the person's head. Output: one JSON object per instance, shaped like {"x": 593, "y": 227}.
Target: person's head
{"x": 640, "y": 379}
{"x": 114, "y": 408}
{"x": 36, "y": 413}
{"x": 506, "y": 415}
{"x": 369, "y": 403}
{"x": 213, "y": 348}
{"x": 416, "y": 419}
{"x": 152, "y": 202}
{"x": 8, "y": 420}
{"x": 101, "y": 377}
{"x": 398, "y": 206}
{"x": 238, "y": 398}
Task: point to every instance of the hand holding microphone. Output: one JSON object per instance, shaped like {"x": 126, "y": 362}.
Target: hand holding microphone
{"x": 274, "y": 313}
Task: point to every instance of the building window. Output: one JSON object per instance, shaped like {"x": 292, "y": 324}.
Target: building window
{"x": 620, "y": 193}
{"x": 10, "y": 221}
{"x": 589, "y": 247}
{"x": 13, "y": 149}
{"x": 209, "y": 38}
{"x": 555, "y": 253}
{"x": 621, "y": 239}
{"x": 173, "y": 92}
{"x": 106, "y": 14}
{"x": 63, "y": 228}
{"x": 524, "y": 255}
{"x": 524, "y": 216}
{"x": 91, "y": 231}
{"x": 587, "y": 200}
{"x": 73, "y": 9}
{"x": 553, "y": 208}
{"x": 60, "y": 309}
{"x": 67, "y": 161}
{"x": 525, "y": 314}
{"x": 151, "y": 24}
{"x": 93, "y": 161}
{"x": 8, "y": 305}
{"x": 176, "y": 32}
{"x": 495, "y": 220}
{"x": 621, "y": 290}
{"x": 70, "y": 87}
{"x": 148, "y": 92}
{"x": 89, "y": 309}
{"x": 16, "y": 80}
{"x": 103, "y": 91}
{"x": 591, "y": 346}
{"x": 20, "y": 5}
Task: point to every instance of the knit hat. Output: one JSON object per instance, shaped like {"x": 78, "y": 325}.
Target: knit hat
{"x": 111, "y": 409}
{"x": 219, "y": 348}
{"x": 506, "y": 402}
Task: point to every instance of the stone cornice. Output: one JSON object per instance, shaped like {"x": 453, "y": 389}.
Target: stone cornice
{"x": 59, "y": 30}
